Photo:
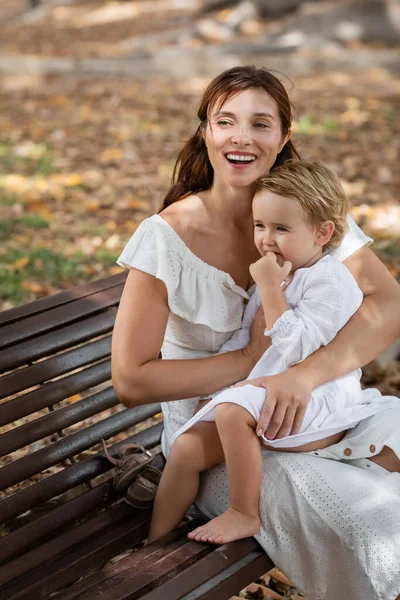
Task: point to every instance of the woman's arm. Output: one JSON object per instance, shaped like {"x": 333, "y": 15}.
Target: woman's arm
{"x": 371, "y": 329}
{"x": 137, "y": 374}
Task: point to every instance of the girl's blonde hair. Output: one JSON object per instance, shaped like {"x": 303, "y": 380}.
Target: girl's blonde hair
{"x": 316, "y": 188}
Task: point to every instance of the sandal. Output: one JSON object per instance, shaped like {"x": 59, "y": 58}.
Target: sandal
{"x": 132, "y": 459}
{"x": 141, "y": 493}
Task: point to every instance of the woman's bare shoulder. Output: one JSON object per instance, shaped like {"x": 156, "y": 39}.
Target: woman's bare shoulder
{"x": 184, "y": 215}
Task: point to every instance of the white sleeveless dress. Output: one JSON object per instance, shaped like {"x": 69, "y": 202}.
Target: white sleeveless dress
{"x": 332, "y": 526}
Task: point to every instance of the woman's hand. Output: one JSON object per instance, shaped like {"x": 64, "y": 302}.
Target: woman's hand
{"x": 288, "y": 395}
{"x": 258, "y": 343}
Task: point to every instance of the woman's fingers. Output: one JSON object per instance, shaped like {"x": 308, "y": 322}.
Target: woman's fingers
{"x": 276, "y": 420}
{"x": 266, "y": 413}
{"x": 298, "y": 419}
{"x": 287, "y": 424}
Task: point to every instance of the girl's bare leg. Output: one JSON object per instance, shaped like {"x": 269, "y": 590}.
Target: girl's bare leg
{"x": 244, "y": 466}
{"x": 196, "y": 450}
{"x": 387, "y": 459}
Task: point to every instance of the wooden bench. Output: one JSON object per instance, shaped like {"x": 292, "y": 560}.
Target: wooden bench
{"x": 61, "y": 519}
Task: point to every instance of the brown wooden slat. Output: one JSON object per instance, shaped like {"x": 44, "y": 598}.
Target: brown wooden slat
{"x": 43, "y": 304}
{"x": 59, "y": 451}
{"x": 84, "y": 471}
{"x": 50, "y": 343}
{"x": 189, "y": 581}
{"x": 57, "y": 421}
{"x": 234, "y": 578}
{"x": 146, "y": 555}
{"x": 83, "y": 555}
{"x": 56, "y": 365}
{"x": 54, "y": 391}
{"x": 143, "y": 571}
{"x": 64, "y": 541}
{"x": 31, "y": 534}
{"x": 59, "y": 317}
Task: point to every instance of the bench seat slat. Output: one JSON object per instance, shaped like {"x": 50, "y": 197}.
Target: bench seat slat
{"x": 187, "y": 583}
{"x": 232, "y": 579}
{"x": 54, "y": 391}
{"x": 135, "y": 582}
{"x": 84, "y": 554}
{"x": 67, "y": 337}
{"x": 44, "y": 304}
{"x": 33, "y": 533}
{"x": 57, "y": 421}
{"x": 65, "y": 540}
{"x": 135, "y": 560}
{"x": 59, "y": 451}
{"x": 59, "y": 317}
{"x": 55, "y": 366}
{"x": 82, "y": 472}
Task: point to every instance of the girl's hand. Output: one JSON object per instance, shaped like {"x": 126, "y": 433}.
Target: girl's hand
{"x": 288, "y": 396}
{"x": 258, "y": 342}
{"x": 267, "y": 270}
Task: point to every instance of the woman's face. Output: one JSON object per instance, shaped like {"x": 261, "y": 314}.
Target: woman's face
{"x": 243, "y": 137}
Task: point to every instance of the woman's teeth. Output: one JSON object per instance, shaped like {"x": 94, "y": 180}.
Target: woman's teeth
{"x": 240, "y": 158}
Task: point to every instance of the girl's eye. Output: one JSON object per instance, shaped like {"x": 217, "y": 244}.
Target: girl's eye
{"x": 258, "y": 226}
{"x": 281, "y": 229}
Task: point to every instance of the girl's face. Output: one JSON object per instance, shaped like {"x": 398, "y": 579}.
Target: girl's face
{"x": 282, "y": 226}
{"x": 243, "y": 137}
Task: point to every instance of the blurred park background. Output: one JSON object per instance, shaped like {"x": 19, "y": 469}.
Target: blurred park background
{"x": 97, "y": 97}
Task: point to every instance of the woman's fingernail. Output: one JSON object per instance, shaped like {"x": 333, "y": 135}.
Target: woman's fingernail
{"x": 259, "y": 432}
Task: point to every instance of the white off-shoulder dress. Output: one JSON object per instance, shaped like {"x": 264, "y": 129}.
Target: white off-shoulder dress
{"x": 331, "y": 524}
{"x": 321, "y": 299}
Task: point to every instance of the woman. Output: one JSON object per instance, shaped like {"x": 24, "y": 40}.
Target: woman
{"x": 333, "y": 528}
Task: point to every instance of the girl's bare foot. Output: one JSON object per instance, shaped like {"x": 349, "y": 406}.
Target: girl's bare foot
{"x": 231, "y": 525}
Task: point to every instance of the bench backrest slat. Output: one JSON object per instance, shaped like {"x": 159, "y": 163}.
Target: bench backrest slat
{"x": 55, "y": 366}
{"x": 82, "y": 472}
{"x": 67, "y": 337}
{"x": 54, "y": 391}
{"x": 25, "y": 311}
{"x": 57, "y": 421}
{"x": 75, "y": 443}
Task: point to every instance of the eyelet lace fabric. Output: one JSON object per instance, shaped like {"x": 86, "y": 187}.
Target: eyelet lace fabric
{"x": 333, "y": 528}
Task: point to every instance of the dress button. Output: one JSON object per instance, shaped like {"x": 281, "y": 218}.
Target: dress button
{"x": 347, "y": 451}
{"x": 245, "y": 301}
{"x": 372, "y": 448}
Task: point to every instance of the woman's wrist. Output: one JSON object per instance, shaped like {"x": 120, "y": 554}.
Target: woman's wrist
{"x": 249, "y": 358}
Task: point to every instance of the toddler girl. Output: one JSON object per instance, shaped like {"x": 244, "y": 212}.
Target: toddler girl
{"x": 299, "y": 213}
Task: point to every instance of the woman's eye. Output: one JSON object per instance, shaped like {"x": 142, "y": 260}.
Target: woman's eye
{"x": 261, "y": 125}
{"x": 223, "y": 122}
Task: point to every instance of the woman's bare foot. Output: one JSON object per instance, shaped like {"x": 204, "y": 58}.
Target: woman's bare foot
{"x": 231, "y": 525}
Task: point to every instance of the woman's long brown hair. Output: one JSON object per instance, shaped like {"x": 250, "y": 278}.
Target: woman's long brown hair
{"x": 193, "y": 172}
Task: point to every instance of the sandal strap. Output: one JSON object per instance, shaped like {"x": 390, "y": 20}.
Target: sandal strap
{"x": 125, "y": 452}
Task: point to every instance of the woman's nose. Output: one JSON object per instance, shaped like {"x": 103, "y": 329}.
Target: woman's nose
{"x": 242, "y": 136}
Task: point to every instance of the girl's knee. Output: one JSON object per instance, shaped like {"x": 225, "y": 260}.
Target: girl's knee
{"x": 231, "y": 415}
{"x": 184, "y": 449}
